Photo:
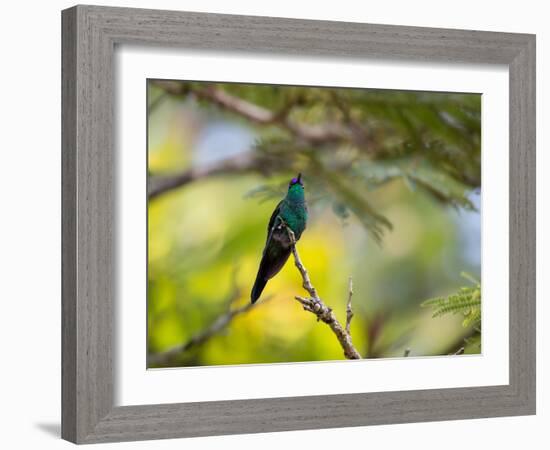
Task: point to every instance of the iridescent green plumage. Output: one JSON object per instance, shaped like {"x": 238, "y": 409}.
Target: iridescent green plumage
{"x": 291, "y": 212}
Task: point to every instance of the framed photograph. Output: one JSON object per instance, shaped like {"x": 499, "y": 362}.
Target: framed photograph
{"x": 277, "y": 224}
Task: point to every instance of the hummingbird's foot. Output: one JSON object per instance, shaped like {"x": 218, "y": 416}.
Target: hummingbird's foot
{"x": 291, "y": 235}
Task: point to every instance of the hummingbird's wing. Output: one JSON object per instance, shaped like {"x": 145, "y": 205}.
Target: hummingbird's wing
{"x": 271, "y": 223}
{"x": 274, "y": 255}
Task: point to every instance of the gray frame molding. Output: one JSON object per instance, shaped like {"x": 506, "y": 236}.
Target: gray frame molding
{"x": 90, "y": 34}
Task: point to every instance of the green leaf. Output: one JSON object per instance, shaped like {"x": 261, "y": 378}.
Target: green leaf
{"x": 466, "y": 301}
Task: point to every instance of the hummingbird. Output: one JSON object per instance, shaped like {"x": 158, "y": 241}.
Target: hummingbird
{"x": 291, "y": 212}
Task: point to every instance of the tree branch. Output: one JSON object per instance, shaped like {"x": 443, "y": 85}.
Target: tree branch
{"x": 241, "y": 163}
{"x": 349, "y": 311}
{"x": 315, "y": 305}
{"x": 220, "y": 323}
{"x": 319, "y": 134}
{"x": 314, "y": 134}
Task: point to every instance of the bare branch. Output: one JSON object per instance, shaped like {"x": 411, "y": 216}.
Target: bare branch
{"x": 220, "y": 323}
{"x": 315, "y": 305}
{"x": 349, "y": 311}
{"x": 314, "y": 134}
{"x": 241, "y": 163}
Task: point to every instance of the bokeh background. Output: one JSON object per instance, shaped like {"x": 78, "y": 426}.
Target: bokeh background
{"x": 393, "y": 182}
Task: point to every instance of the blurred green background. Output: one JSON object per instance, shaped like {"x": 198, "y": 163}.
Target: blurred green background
{"x": 394, "y": 198}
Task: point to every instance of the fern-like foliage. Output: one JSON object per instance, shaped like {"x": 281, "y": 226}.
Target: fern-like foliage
{"x": 466, "y": 301}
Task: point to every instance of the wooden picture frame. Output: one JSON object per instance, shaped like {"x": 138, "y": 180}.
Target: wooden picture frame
{"x": 90, "y": 34}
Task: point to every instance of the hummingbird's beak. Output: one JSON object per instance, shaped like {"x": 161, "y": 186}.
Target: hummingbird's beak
{"x": 299, "y": 178}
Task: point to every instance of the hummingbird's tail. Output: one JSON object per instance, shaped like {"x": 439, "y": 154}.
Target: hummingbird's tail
{"x": 258, "y": 287}
{"x": 273, "y": 260}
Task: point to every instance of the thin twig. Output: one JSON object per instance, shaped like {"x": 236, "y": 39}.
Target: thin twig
{"x": 457, "y": 344}
{"x": 315, "y": 305}
{"x": 220, "y": 323}
{"x": 349, "y": 311}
